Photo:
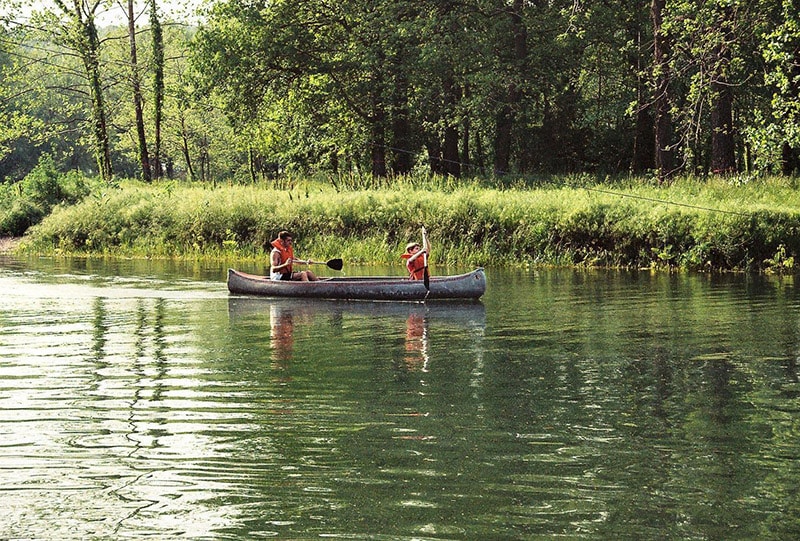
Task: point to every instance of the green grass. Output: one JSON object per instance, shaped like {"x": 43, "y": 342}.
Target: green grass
{"x": 753, "y": 225}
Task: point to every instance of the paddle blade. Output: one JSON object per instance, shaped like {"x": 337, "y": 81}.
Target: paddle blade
{"x": 335, "y": 264}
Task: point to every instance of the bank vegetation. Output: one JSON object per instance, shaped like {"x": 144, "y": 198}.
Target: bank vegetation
{"x": 737, "y": 223}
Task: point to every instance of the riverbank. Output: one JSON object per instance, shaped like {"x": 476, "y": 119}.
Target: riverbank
{"x": 690, "y": 225}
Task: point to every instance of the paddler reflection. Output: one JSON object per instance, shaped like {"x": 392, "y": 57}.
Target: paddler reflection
{"x": 417, "y": 356}
{"x": 281, "y": 335}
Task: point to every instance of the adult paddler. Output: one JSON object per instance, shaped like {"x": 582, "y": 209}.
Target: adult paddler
{"x": 281, "y": 259}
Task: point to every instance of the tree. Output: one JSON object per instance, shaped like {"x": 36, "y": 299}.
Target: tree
{"x": 518, "y": 53}
{"x": 640, "y": 36}
{"x": 781, "y": 51}
{"x": 73, "y": 25}
{"x": 7, "y": 132}
{"x": 42, "y": 99}
{"x": 662, "y": 99}
{"x": 144, "y": 159}
{"x": 158, "y": 85}
{"x": 723, "y": 159}
{"x": 383, "y": 86}
{"x": 713, "y": 45}
{"x": 331, "y": 56}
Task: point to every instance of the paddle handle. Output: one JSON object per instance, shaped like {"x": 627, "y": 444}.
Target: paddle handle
{"x": 426, "y": 279}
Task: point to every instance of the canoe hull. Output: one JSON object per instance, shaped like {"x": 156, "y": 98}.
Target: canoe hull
{"x": 471, "y": 285}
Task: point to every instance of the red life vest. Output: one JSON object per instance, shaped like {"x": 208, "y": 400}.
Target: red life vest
{"x": 285, "y": 253}
{"x": 416, "y": 268}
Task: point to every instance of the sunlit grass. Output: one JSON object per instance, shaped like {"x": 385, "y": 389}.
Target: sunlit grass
{"x": 695, "y": 224}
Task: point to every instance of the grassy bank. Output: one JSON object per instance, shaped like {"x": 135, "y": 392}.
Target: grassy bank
{"x": 691, "y": 224}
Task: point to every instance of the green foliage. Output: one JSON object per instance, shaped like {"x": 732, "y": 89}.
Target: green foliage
{"x": 27, "y": 202}
{"x": 691, "y": 225}
{"x": 264, "y": 91}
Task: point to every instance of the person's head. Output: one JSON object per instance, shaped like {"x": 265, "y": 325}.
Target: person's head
{"x": 285, "y": 237}
{"x": 412, "y": 247}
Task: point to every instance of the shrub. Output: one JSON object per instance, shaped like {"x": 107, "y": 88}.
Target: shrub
{"x": 26, "y": 203}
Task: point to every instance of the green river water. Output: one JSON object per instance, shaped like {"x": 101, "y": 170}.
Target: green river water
{"x": 138, "y": 400}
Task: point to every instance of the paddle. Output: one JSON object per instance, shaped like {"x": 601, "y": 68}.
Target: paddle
{"x": 426, "y": 279}
{"x": 335, "y": 264}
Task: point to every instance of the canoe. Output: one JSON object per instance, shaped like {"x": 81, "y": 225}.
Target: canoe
{"x": 379, "y": 288}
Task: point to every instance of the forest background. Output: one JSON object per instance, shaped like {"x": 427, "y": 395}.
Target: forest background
{"x": 515, "y": 93}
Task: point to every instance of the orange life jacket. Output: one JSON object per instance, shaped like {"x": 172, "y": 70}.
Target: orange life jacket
{"x": 286, "y": 253}
{"x": 416, "y": 268}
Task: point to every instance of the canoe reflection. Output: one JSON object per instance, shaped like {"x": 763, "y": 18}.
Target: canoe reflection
{"x": 287, "y": 315}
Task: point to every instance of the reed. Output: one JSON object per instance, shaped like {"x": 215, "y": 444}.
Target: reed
{"x": 691, "y": 224}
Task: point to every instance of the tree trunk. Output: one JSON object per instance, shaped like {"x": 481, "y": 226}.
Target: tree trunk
{"x": 466, "y": 133}
{"x": 102, "y": 144}
{"x": 723, "y": 151}
{"x": 643, "y": 143}
{"x": 502, "y": 139}
{"x": 158, "y": 86}
{"x": 185, "y": 149}
{"x": 452, "y": 164}
{"x": 504, "y": 123}
{"x": 144, "y": 159}
{"x": 83, "y": 37}
{"x": 466, "y": 136}
{"x": 663, "y": 119}
{"x": 479, "y": 163}
{"x": 377, "y": 120}
{"x": 790, "y": 160}
{"x": 434, "y": 148}
{"x": 723, "y": 156}
{"x": 790, "y": 155}
{"x": 401, "y": 128}
{"x": 378, "y": 144}
{"x": 251, "y": 162}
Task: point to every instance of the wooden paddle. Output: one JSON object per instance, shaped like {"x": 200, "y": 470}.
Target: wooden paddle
{"x": 426, "y": 279}
{"x": 335, "y": 264}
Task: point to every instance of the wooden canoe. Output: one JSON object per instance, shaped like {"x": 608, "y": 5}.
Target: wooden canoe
{"x": 379, "y": 288}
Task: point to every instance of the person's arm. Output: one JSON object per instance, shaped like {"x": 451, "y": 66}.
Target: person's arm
{"x": 423, "y": 250}
{"x": 275, "y": 258}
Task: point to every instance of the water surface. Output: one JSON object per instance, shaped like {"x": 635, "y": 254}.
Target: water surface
{"x": 140, "y": 400}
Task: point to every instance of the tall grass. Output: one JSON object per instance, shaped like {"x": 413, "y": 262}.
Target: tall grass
{"x": 691, "y": 224}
